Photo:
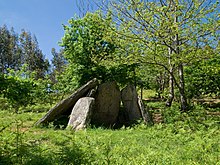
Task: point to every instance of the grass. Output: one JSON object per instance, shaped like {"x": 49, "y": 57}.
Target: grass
{"x": 147, "y": 93}
{"x": 180, "y": 141}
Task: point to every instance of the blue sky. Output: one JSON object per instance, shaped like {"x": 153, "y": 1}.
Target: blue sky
{"x": 44, "y": 18}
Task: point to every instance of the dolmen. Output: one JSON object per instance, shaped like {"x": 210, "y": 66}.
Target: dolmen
{"x": 99, "y": 105}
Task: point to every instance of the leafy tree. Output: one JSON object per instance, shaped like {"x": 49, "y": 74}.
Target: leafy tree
{"x": 92, "y": 51}
{"x": 203, "y": 77}
{"x": 16, "y": 88}
{"x": 86, "y": 47}
{"x": 20, "y": 59}
{"x": 21, "y": 88}
{"x": 170, "y": 34}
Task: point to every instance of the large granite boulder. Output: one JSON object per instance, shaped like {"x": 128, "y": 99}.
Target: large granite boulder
{"x": 107, "y": 104}
{"x": 130, "y": 103}
{"x": 81, "y": 114}
{"x": 65, "y": 106}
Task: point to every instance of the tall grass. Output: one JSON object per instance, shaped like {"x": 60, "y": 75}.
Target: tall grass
{"x": 181, "y": 139}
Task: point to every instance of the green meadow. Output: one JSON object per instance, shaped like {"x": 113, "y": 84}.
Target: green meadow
{"x": 192, "y": 138}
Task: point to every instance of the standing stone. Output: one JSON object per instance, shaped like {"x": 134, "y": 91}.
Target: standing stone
{"x": 107, "y": 104}
{"x": 130, "y": 102}
{"x": 65, "y": 106}
{"x": 81, "y": 113}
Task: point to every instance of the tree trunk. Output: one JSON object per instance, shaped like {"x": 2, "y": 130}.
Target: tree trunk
{"x": 171, "y": 86}
{"x": 161, "y": 84}
{"x": 181, "y": 87}
{"x": 141, "y": 92}
{"x": 183, "y": 100}
{"x": 171, "y": 89}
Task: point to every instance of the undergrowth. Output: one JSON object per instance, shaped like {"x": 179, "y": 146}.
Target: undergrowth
{"x": 191, "y": 138}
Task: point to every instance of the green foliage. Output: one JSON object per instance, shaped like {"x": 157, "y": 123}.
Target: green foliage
{"x": 42, "y": 91}
{"x": 85, "y": 46}
{"x": 191, "y": 139}
{"x": 203, "y": 78}
{"x": 21, "y": 144}
{"x": 92, "y": 51}
{"x": 58, "y": 60}
{"x": 20, "y": 88}
{"x": 168, "y": 34}
{"x": 19, "y": 49}
{"x": 17, "y": 90}
{"x": 58, "y": 65}
{"x": 32, "y": 55}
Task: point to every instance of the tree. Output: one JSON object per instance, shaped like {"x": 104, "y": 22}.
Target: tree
{"x": 171, "y": 34}
{"x": 10, "y": 54}
{"x": 16, "y": 88}
{"x": 84, "y": 6}
{"x": 4, "y": 47}
{"x": 92, "y": 51}
{"x": 20, "y": 59}
{"x": 86, "y": 46}
{"x": 203, "y": 77}
{"x": 58, "y": 60}
{"x": 16, "y": 51}
{"x": 58, "y": 66}
{"x": 32, "y": 55}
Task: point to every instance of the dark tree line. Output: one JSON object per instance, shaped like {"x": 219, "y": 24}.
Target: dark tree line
{"x": 26, "y": 76}
{"x": 19, "y": 49}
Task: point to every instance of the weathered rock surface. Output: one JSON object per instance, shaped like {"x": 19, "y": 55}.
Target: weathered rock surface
{"x": 81, "y": 113}
{"x": 107, "y": 104}
{"x": 130, "y": 102}
{"x": 66, "y": 105}
{"x": 91, "y": 93}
